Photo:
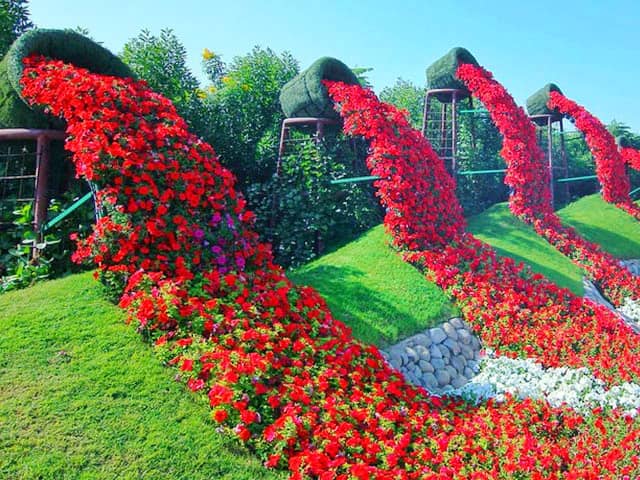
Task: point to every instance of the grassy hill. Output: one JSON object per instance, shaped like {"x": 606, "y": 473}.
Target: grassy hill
{"x": 602, "y": 223}
{"x": 513, "y": 238}
{"x": 82, "y": 397}
{"x": 369, "y": 287}
{"x": 615, "y": 231}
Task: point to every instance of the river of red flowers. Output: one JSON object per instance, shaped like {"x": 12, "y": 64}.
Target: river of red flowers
{"x": 277, "y": 369}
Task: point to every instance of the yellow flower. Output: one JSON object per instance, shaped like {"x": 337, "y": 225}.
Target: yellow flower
{"x": 226, "y": 80}
{"x": 201, "y": 93}
{"x": 207, "y": 54}
{"x": 245, "y": 87}
{"x": 212, "y": 89}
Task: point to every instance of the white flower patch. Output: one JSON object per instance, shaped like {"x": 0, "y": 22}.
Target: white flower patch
{"x": 631, "y": 308}
{"x": 525, "y": 378}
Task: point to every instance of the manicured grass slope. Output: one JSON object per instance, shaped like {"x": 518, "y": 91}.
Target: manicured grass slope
{"x": 82, "y": 397}
{"x": 615, "y": 231}
{"x": 513, "y": 238}
{"x": 600, "y": 222}
{"x": 370, "y": 288}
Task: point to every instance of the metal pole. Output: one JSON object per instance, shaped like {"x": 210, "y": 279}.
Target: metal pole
{"x": 319, "y": 132}
{"x": 42, "y": 173}
{"x": 550, "y": 157}
{"x": 472, "y": 126}
{"x": 283, "y": 135}
{"x": 454, "y": 100}
{"x": 443, "y": 129}
{"x": 563, "y": 153}
{"x": 425, "y": 116}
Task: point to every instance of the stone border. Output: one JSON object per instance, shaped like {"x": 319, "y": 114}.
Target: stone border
{"x": 592, "y": 293}
{"x": 439, "y": 359}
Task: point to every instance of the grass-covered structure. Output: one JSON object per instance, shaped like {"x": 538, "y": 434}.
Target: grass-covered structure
{"x": 306, "y": 96}
{"x": 537, "y": 103}
{"x": 65, "y": 45}
{"x": 442, "y": 73}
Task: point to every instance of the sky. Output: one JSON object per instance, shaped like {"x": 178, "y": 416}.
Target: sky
{"x": 590, "y": 49}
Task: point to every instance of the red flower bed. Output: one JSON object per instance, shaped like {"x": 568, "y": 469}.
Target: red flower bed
{"x": 631, "y": 157}
{"x": 528, "y": 176}
{"x": 275, "y": 366}
{"x": 515, "y": 312}
{"x": 610, "y": 165}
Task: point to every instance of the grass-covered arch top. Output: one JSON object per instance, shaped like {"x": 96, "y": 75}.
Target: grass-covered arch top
{"x": 442, "y": 73}
{"x": 306, "y": 96}
{"x": 537, "y": 103}
{"x": 65, "y": 45}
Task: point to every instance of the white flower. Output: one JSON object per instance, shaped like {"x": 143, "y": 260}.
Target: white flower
{"x": 525, "y": 378}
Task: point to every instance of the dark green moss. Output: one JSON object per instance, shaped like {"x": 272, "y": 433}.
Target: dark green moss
{"x": 65, "y": 45}
{"x": 442, "y": 72}
{"x": 537, "y": 103}
{"x": 306, "y": 96}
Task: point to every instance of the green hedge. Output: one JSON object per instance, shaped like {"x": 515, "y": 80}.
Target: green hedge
{"x": 537, "y": 103}
{"x": 442, "y": 72}
{"x": 306, "y": 96}
{"x": 63, "y": 45}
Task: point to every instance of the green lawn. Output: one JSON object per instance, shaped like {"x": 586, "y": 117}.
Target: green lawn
{"x": 614, "y": 230}
{"x": 82, "y": 397}
{"x": 513, "y": 238}
{"x": 370, "y": 288}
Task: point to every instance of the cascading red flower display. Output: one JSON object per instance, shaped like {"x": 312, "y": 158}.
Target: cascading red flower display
{"x": 631, "y": 157}
{"x": 275, "y": 366}
{"x": 514, "y": 311}
{"x": 610, "y": 164}
{"x": 528, "y": 176}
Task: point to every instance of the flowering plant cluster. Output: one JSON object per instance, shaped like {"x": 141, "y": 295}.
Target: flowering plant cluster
{"x": 515, "y": 311}
{"x": 610, "y": 163}
{"x": 277, "y": 369}
{"x": 525, "y": 378}
{"x": 528, "y": 176}
{"x": 631, "y": 157}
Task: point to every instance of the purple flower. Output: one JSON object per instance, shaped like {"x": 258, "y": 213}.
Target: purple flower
{"x": 229, "y": 220}
{"x": 221, "y": 260}
{"x": 216, "y": 250}
{"x": 198, "y": 234}
{"x": 215, "y": 218}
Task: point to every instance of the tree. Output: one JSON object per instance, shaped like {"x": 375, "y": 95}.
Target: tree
{"x": 408, "y": 96}
{"x": 14, "y": 21}
{"x": 245, "y": 113}
{"x": 161, "y": 61}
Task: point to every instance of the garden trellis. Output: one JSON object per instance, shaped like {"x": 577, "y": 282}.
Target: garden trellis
{"x": 24, "y": 175}
{"x": 38, "y": 172}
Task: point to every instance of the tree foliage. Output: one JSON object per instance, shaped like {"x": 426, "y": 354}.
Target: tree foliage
{"x": 408, "y": 96}
{"x": 244, "y": 110}
{"x": 14, "y": 20}
{"x": 161, "y": 61}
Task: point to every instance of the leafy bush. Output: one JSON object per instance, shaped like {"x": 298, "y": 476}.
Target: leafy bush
{"x": 244, "y": 111}
{"x": 408, "y": 96}
{"x": 161, "y": 61}
{"x": 19, "y": 268}
{"x": 14, "y": 20}
{"x": 300, "y": 212}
